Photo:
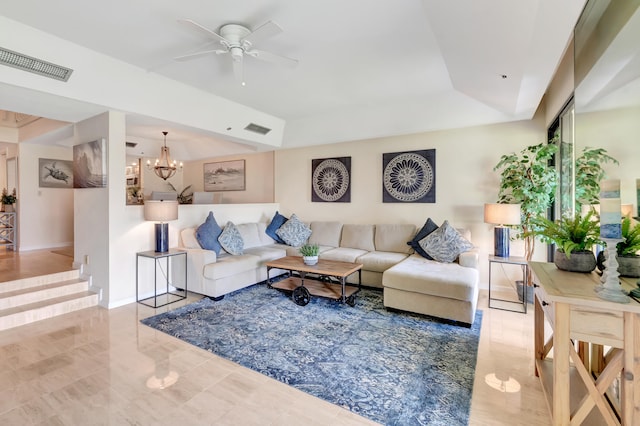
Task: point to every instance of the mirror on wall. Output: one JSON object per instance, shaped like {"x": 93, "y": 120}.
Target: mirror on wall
{"x": 607, "y": 88}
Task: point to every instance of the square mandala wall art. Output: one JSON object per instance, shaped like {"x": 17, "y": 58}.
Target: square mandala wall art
{"x": 331, "y": 180}
{"x": 409, "y": 177}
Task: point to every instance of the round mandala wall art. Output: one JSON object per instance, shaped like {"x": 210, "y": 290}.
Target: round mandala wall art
{"x": 409, "y": 177}
{"x": 330, "y": 180}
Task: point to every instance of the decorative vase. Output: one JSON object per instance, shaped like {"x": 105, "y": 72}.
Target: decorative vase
{"x": 8, "y": 208}
{"x": 580, "y": 261}
{"x": 310, "y": 260}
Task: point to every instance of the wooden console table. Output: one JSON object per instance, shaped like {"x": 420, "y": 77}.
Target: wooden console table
{"x": 580, "y": 384}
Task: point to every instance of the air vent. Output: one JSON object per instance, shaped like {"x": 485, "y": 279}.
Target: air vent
{"x": 252, "y": 127}
{"x": 131, "y": 144}
{"x": 36, "y": 66}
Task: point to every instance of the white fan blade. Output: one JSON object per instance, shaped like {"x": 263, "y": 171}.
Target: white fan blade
{"x": 272, "y": 57}
{"x": 266, "y": 30}
{"x": 201, "y": 29}
{"x": 238, "y": 70}
{"x": 195, "y": 55}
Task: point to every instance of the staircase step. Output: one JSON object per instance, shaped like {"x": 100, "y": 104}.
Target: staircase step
{"x": 26, "y": 314}
{"x": 24, "y": 296}
{"x": 23, "y": 283}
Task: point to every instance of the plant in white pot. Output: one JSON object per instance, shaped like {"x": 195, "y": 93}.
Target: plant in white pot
{"x": 309, "y": 253}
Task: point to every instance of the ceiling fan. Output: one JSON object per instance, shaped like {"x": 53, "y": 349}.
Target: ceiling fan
{"x": 238, "y": 41}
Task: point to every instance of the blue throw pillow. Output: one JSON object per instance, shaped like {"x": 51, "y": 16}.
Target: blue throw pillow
{"x": 207, "y": 234}
{"x": 277, "y": 221}
{"x": 429, "y": 227}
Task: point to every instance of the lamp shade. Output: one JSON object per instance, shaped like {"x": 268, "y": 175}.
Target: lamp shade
{"x": 160, "y": 210}
{"x": 502, "y": 214}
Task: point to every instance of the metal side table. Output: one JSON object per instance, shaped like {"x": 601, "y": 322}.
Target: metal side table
{"x": 167, "y": 296}
{"x": 504, "y": 304}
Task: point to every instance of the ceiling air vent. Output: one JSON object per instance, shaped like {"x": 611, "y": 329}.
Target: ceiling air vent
{"x": 36, "y": 66}
{"x": 252, "y": 127}
{"x": 131, "y": 144}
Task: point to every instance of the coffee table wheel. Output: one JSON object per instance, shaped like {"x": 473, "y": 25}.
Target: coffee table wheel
{"x": 301, "y": 295}
{"x": 351, "y": 300}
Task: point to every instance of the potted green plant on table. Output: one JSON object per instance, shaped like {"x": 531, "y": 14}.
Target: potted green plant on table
{"x": 309, "y": 253}
{"x": 627, "y": 250}
{"x": 8, "y": 200}
{"x": 574, "y": 237}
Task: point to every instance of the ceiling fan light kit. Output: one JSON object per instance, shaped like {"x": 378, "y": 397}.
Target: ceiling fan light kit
{"x": 238, "y": 41}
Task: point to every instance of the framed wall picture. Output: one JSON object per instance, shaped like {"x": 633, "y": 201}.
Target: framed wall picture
{"x": 331, "y": 180}
{"x": 55, "y": 173}
{"x": 409, "y": 177}
{"x": 90, "y": 164}
{"x": 225, "y": 176}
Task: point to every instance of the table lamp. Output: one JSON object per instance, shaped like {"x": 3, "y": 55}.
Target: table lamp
{"x": 501, "y": 215}
{"x": 161, "y": 211}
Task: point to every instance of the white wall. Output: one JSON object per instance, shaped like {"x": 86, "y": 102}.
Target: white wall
{"x": 91, "y": 209}
{"x": 464, "y": 179}
{"x": 45, "y": 214}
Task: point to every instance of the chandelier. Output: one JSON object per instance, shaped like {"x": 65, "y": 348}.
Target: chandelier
{"x": 164, "y": 167}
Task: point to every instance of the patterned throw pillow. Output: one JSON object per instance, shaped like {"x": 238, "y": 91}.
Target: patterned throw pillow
{"x": 428, "y": 227}
{"x": 231, "y": 240}
{"x": 277, "y": 221}
{"x": 294, "y": 232}
{"x": 445, "y": 244}
{"x": 207, "y": 234}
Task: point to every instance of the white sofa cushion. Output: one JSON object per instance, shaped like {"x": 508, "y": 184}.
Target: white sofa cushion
{"x": 188, "y": 239}
{"x": 250, "y": 234}
{"x": 394, "y": 238}
{"x": 380, "y": 261}
{"x": 228, "y": 265}
{"x": 326, "y": 233}
{"x": 419, "y": 275}
{"x": 342, "y": 254}
{"x": 358, "y": 237}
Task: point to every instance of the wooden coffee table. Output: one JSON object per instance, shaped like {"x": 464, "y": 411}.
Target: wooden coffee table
{"x": 325, "y": 269}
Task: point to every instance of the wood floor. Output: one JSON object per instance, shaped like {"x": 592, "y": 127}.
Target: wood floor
{"x": 101, "y": 366}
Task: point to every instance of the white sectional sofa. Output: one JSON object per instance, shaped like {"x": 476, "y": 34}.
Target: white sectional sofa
{"x": 410, "y": 282}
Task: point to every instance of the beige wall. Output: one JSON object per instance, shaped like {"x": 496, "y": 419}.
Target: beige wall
{"x": 259, "y": 182}
{"x": 464, "y": 179}
{"x": 45, "y": 214}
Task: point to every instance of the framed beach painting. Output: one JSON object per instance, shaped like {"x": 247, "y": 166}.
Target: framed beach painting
{"x": 55, "y": 173}
{"x": 90, "y": 164}
{"x": 225, "y": 176}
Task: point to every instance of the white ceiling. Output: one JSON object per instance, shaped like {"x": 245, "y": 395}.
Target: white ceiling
{"x": 366, "y": 68}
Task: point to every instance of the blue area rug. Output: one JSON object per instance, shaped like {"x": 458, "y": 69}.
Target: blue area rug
{"x": 393, "y": 368}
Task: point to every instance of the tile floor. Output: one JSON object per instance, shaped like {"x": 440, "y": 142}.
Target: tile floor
{"x": 101, "y": 366}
